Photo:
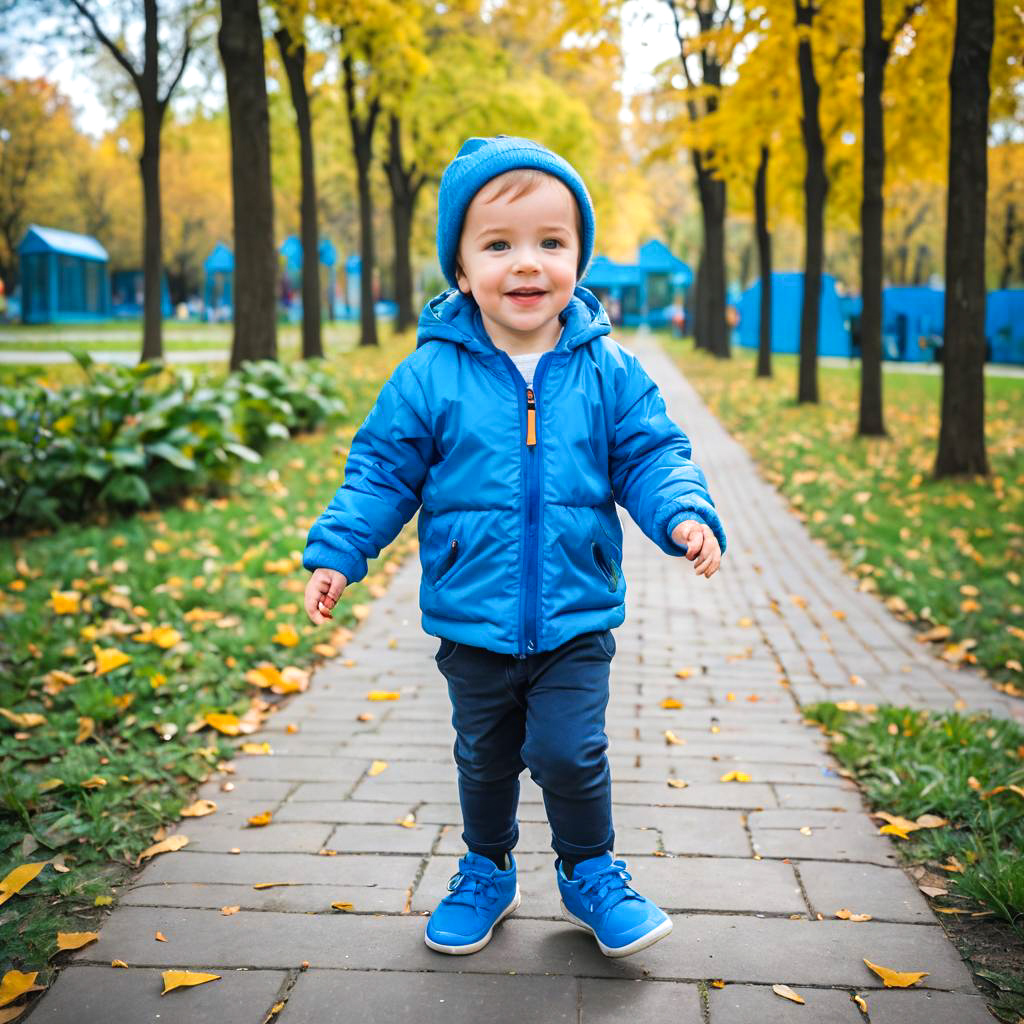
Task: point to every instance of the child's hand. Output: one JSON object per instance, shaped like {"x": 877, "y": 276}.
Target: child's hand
{"x": 322, "y": 593}
{"x": 699, "y": 541}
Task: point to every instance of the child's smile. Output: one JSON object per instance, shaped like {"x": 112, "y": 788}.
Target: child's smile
{"x": 518, "y": 258}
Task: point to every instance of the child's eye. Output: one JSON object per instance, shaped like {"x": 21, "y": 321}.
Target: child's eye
{"x": 556, "y": 242}
{"x": 498, "y": 241}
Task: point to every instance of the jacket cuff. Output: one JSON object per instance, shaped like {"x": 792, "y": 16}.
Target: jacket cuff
{"x": 689, "y": 507}
{"x": 349, "y": 563}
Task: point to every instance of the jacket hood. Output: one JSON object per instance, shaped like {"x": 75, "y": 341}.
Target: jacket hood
{"x": 454, "y": 316}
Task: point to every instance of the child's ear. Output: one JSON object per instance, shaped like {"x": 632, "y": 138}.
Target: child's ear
{"x": 461, "y": 279}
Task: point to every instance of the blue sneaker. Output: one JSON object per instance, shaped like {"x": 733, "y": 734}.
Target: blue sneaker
{"x": 480, "y": 896}
{"x": 597, "y": 899}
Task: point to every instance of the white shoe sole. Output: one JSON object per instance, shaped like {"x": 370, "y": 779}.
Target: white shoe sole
{"x": 634, "y": 947}
{"x": 480, "y": 943}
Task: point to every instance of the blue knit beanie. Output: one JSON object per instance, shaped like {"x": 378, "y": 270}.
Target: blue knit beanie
{"x": 479, "y": 160}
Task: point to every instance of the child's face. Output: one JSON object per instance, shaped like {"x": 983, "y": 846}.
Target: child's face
{"x": 518, "y": 258}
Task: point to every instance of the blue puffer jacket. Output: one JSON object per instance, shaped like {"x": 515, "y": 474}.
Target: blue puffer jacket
{"x": 519, "y": 539}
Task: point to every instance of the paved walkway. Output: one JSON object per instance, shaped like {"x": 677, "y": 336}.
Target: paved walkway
{"x": 752, "y": 873}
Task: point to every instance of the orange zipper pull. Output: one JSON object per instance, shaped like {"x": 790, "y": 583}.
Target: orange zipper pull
{"x": 531, "y": 418}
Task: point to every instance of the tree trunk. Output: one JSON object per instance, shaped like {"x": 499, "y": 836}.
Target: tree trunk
{"x": 1009, "y": 233}
{"x": 962, "y": 430}
{"x": 294, "y": 59}
{"x": 700, "y": 300}
{"x": 872, "y": 419}
{"x": 715, "y": 334}
{"x": 815, "y": 189}
{"x": 764, "y": 259}
{"x": 240, "y": 40}
{"x": 405, "y": 185}
{"x": 362, "y": 149}
{"x": 152, "y": 238}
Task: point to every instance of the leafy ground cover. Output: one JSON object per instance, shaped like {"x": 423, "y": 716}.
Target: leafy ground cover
{"x": 947, "y": 555}
{"x": 950, "y": 789}
{"x": 136, "y": 653}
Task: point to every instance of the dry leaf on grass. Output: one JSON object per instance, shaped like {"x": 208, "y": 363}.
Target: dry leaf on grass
{"x": 18, "y": 878}
{"x": 180, "y": 979}
{"x": 16, "y": 983}
{"x": 896, "y": 979}
{"x": 787, "y": 993}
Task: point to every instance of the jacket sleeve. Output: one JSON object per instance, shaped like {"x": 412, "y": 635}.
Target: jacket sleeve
{"x": 653, "y": 476}
{"x": 387, "y": 464}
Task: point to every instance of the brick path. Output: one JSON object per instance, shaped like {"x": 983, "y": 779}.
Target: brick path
{"x": 728, "y": 860}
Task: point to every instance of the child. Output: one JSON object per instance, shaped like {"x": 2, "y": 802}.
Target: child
{"x": 517, "y": 424}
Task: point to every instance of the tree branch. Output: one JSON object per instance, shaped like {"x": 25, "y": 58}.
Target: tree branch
{"x": 114, "y": 49}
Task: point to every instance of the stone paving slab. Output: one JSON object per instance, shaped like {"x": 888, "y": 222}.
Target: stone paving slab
{"x": 758, "y": 1004}
{"x": 885, "y": 893}
{"x": 299, "y": 899}
{"x": 387, "y": 997}
{"x": 91, "y": 995}
{"x": 605, "y": 1001}
{"x": 914, "y": 1007}
{"x": 733, "y": 947}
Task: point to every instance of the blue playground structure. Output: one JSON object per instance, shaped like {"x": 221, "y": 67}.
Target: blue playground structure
{"x": 127, "y": 293}
{"x": 64, "y": 277}
{"x": 834, "y": 337}
{"x": 219, "y": 271}
{"x": 644, "y": 292}
{"x": 291, "y": 278}
{"x": 912, "y": 324}
{"x": 1004, "y": 326}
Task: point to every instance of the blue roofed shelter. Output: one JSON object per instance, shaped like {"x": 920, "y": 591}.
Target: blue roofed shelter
{"x": 219, "y": 270}
{"x": 64, "y": 277}
{"x": 641, "y": 292}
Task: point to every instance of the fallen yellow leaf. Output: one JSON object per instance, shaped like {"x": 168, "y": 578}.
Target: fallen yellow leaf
{"x": 18, "y": 878}
{"x": 847, "y": 915}
{"x": 672, "y": 739}
{"x": 717, "y": 983}
{"x": 896, "y": 979}
{"x": 893, "y": 830}
{"x": 199, "y": 809}
{"x": 261, "y": 819}
{"x": 228, "y": 911}
{"x": 25, "y": 720}
{"x": 671, "y": 704}
{"x": 65, "y": 602}
{"x": 75, "y": 940}
{"x": 257, "y": 748}
{"x": 678, "y": 783}
{"x": 109, "y": 658}
{"x": 383, "y": 695}
{"x": 409, "y": 821}
{"x": 735, "y": 777}
{"x": 15, "y": 984}
{"x": 787, "y": 993}
{"x": 271, "y": 885}
{"x": 118, "y": 963}
{"x": 377, "y": 767}
{"x": 342, "y": 906}
{"x": 179, "y": 979}
{"x": 286, "y": 636}
{"x": 168, "y": 845}
{"x": 861, "y": 1004}
{"x": 684, "y": 673}
{"x": 225, "y": 723}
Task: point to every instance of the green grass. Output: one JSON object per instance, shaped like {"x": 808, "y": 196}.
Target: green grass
{"x": 959, "y": 769}
{"x": 946, "y": 553}
{"x": 236, "y": 558}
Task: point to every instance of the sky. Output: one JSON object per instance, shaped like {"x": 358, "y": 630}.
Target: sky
{"x": 648, "y": 40}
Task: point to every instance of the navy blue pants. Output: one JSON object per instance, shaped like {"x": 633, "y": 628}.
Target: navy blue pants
{"x": 544, "y": 712}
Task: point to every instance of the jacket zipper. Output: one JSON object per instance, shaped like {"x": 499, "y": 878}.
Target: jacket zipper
{"x": 531, "y": 467}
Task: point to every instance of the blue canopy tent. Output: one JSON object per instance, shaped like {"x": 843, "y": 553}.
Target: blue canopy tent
{"x": 219, "y": 270}
{"x": 787, "y": 298}
{"x": 1004, "y": 325}
{"x": 912, "y": 323}
{"x": 641, "y": 292}
{"x": 127, "y": 293}
{"x": 291, "y": 251}
{"x": 64, "y": 277}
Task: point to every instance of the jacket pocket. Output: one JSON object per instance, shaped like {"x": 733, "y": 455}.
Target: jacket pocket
{"x": 444, "y": 564}
{"x": 609, "y": 567}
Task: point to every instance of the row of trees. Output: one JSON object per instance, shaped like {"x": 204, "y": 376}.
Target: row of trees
{"x": 779, "y": 49}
